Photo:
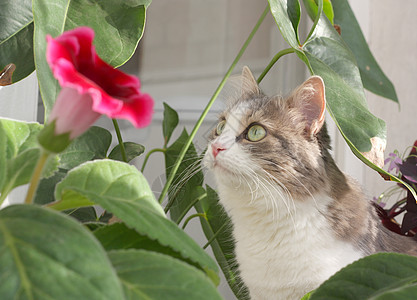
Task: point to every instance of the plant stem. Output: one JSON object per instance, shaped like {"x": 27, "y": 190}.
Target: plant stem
{"x": 316, "y": 20}
{"x": 273, "y": 61}
{"x": 187, "y": 209}
{"x": 149, "y": 154}
{"x": 206, "y": 110}
{"x": 214, "y": 236}
{"x": 199, "y": 215}
{"x": 119, "y": 138}
{"x": 34, "y": 182}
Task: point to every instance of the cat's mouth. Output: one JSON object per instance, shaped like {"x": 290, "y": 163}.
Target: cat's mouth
{"x": 219, "y": 167}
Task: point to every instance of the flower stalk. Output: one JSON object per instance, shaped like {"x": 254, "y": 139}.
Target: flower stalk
{"x": 120, "y": 139}
{"x": 36, "y": 177}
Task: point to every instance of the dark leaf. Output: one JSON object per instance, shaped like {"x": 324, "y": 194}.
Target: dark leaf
{"x": 132, "y": 151}
{"x": 93, "y": 144}
{"x": 118, "y": 236}
{"x": 186, "y": 179}
{"x": 373, "y": 77}
{"x": 170, "y": 122}
{"x": 217, "y": 228}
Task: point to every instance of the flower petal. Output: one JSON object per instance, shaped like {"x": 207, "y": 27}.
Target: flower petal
{"x": 76, "y": 65}
{"x": 139, "y": 111}
{"x": 72, "y": 112}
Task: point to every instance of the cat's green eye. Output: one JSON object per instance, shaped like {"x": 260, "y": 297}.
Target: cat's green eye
{"x": 256, "y": 133}
{"x": 220, "y": 127}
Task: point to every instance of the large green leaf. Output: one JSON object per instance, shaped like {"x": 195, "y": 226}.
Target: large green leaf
{"x": 123, "y": 190}
{"x": 373, "y": 77}
{"x": 379, "y": 276}
{"x": 217, "y": 228}
{"x": 21, "y": 154}
{"x": 188, "y": 176}
{"x": 46, "y": 255}
{"x": 149, "y": 275}
{"x": 16, "y": 37}
{"x": 118, "y": 27}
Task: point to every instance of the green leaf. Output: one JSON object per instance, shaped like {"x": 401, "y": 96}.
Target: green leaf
{"x": 307, "y": 296}
{"x": 118, "y": 26}
{"x": 83, "y": 214}
{"x": 379, "y": 276}
{"x": 287, "y": 17}
{"x": 217, "y": 228}
{"x": 122, "y": 190}
{"x": 150, "y": 275}
{"x": 373, "y": 77}
{"x": 3, "y": 161}
{"x": 118, "y": 236}
{"x": 93, "y": 144}
{"x": 22, "y": 153}
{"x": 170, "y": 122}
{"x": 45, "y": 191}
{"x": 132, "y": 150}
{"x": 188, "y": 176}
{"x": 16, "y": 37}
{"x": 312, "y": 8}
{"x": 46, "y": 255}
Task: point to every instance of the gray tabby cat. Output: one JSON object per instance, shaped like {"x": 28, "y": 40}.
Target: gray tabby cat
{"x": 297, "y": 218}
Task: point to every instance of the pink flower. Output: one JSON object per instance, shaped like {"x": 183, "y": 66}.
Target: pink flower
{"x": 91, "y": 87}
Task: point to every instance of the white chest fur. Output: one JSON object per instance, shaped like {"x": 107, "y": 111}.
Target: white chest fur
{"x": 284, "y": 256}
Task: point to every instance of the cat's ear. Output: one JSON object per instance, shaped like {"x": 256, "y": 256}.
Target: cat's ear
{"x": 310, "y": 99}
{"x": 249, "y": 84}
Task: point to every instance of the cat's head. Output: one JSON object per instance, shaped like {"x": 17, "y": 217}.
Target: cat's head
{"x": 261, "y": 140}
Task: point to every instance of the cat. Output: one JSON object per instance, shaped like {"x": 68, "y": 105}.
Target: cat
{"x": 297, "y": 219}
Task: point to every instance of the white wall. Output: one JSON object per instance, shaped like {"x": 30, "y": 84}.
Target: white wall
{"x": 19, "y": 101}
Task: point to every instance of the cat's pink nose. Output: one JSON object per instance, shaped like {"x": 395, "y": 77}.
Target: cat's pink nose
{"x": 216, "y": 148}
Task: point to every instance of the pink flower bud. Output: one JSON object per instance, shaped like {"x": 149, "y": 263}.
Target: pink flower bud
{"x": 72, "y": 112}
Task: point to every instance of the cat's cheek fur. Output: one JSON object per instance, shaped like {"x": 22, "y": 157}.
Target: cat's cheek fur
{"x": 305, "y": 237}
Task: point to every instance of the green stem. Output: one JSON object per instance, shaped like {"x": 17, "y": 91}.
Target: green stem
{"x": 149, "y": 154}
{"x": 206, "y": 110}
{"x": 187, "y": 209}
{"x": 316, "y": 20}
{"x": 34, "y": 182}
{"x": 200, "y": 215}
{"x": 273, "y": 61}
{"x": 119, "y": 138}
{"x": 214, "y": 236}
